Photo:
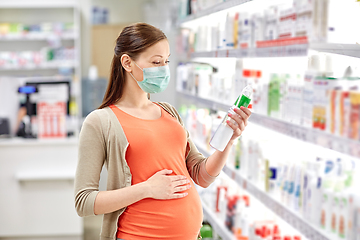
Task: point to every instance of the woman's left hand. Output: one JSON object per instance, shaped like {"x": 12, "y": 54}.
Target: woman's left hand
{"x": 241, "y": 118}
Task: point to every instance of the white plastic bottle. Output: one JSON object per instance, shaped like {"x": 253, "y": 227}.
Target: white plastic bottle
{"x": 223, "y": 133}
{"x": 308, "y": 90}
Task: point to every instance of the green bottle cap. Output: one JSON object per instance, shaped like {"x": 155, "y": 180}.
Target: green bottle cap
{"x": 206, "y": 231}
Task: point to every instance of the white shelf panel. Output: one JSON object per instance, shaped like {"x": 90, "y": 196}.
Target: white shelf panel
{"x": 296, "y": 50}
{"x": 218, "y": 226}
{"x": 37, "y": 37}
{"x": 39, "y": 4}
{"x": 352, "y": 50}
{"x": 206, "y": 102}
{"x": 21, "y": 142}
{"x": 213, "y": 9}
{"x": 47, "y": 65}
{"x": 38, "y": 175}
{"x": 291, "y": 217}
{"x": 315, "y": 136}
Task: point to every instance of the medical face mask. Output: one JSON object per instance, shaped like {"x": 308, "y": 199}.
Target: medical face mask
{"x": 156, "y": 79}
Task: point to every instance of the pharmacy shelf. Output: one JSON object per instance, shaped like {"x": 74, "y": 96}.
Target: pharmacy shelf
{"x": 290, "y": 50}
{"x": 274, "y": 48}
{"x": 213, "y": 219}
{"x": 314, "y": 136}
{"x": 213, "y": 9}
{"x": 206, "y": 102}
{"x": 47, "y": 65}
{"x": 295, "y": 50}
{"x": 352, "y": 50}
{"x": 291, "y": 217}
{"x": 37, "y": 36}
{"x": 39, "y": 4}
{"x": 48, "y": 175}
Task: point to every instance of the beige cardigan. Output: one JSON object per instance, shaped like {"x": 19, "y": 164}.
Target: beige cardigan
{"x": 103, "y": 141}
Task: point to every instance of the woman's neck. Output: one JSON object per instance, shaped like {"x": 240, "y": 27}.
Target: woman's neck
{"x": 133, "y": 96}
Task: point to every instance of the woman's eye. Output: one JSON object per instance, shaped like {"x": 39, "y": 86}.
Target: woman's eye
{"x": 157, "y": 63}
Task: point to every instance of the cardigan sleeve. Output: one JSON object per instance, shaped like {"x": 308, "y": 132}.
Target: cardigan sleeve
{"x": 195, "y": 161}
{"x": 91, "y": 158}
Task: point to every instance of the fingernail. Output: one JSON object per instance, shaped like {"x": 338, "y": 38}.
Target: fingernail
{"x": 242, "y": 107}
{"x": 229, "y": 114}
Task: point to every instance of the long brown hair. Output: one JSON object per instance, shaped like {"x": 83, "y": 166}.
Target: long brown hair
{"x": 133, "y": 40}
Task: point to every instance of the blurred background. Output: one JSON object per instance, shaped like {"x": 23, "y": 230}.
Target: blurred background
{"x": 292, "y": 175}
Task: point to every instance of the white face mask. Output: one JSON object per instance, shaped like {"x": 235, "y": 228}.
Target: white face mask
{"x": 155, "y": 80}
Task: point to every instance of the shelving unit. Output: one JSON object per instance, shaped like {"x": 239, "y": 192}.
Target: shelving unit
{"x": 296, "y": 47}
{"x": 315, "y": 136}
{"x": 46, "y": 65}
{"x": 38, "y": 37}
{"x": 66, "y": 12}
{"x": 276, "y": 48}
{"x": 291, "y": 217}
{"x": 40, "y": 170}
{"x": 63, "y": 40}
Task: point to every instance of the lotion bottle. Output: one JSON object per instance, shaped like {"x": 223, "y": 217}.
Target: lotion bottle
{"x": 224, "y": 132}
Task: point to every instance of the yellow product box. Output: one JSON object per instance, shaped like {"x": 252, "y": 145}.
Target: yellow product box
{"x": 354, "y": 115}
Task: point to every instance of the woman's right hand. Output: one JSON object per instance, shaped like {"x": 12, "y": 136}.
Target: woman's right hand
{"x": 162, "y": 186}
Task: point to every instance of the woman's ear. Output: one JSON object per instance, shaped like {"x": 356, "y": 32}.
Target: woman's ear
{"x": 126, "y": 62}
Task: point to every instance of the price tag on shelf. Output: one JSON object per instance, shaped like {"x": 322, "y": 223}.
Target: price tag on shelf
{"x": 222, "y": 53}
{"x": 237, "y": 53}
{"x": 301, "y": 227}
{"x": 239, "y": 179}
{"x": 353, "y": 149}
{"x": 276, "y": 208}
{"x": 233, "y": 175}
{"x": 244, "y": 52}
{"x": 292, "y": 219}
{"x": 263, "y": 198}
{"x": 227, "y": 170}
{"x": 296, "y": 223}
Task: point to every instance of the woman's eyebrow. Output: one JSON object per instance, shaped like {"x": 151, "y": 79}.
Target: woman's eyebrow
{"x": 160, "y": 55}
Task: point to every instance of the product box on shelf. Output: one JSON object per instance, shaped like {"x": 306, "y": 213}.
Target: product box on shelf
{"x": 312, "y": 19}
{"x": 287, "y": 23}
{"x": 271, "y": 23}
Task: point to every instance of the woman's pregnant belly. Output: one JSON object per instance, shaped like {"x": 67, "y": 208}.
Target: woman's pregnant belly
{"x": 176, "y": 219}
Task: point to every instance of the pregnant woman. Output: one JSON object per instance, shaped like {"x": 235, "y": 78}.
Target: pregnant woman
{"x": 152, "y": 163}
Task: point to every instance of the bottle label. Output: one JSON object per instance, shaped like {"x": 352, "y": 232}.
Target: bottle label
{"x": 244, "y": 101}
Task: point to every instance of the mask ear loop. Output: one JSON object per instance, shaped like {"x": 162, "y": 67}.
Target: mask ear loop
{"x": 133, "y": 75}
{"x": 138, "y": 66}
{"x": 148, "y": 95}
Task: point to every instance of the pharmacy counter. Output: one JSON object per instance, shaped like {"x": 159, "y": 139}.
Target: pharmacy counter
{"x": 36, "y": 188}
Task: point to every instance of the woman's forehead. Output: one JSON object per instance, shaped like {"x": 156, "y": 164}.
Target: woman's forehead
{"x": 159, "y": 49}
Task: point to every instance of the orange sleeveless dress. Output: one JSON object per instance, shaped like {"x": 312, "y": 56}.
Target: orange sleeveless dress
{"x": 155, "y": 145}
